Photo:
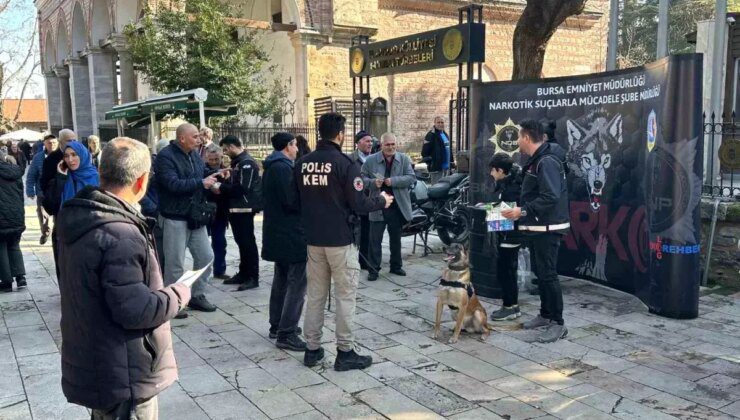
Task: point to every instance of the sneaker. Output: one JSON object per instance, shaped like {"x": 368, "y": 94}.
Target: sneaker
{"x": 291, "y": 342}
{"x": 312, "y": 358}
{"x": 223, "y": 276}
{"x": 181, "y": 315}
{"x": 249, "y": 284}
{"x": 372, "y": 276}
{"x": 398, "y": 272}
{"x": 506, "y": 313}
{"x": 235, "y": 279}
{"x": 20, "y": 281}
{"x": 536, "y": 322}
{"x": 553, "y": 333}
{"x": 348, "y": 360}
{"x": 200, "y": 303}
{"x": 273, "y": 333}
{"x": 6, "y": 287}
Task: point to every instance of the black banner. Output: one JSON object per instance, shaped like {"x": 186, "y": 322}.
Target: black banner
{"x": 634, "y": 153}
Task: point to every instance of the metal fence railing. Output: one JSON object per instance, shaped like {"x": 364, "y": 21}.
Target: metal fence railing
{"x": 257, "y": 138}
{"x": 722, "y": 168}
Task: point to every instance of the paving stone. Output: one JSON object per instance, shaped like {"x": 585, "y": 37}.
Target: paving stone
{"x": 722, "y": 383}
{"x": 678, "y": 407}
{"x": 477, "y": 414}
{"x": 350, "y": 381}
{"x": 666, "y": 365}
{"x": 513, "y": 409}
{"x": 423, "y": 343}
{"x": 593, "y": 396}
{"x": 677, "y": 386}
{"x": 334, "y": 403}
{"x": 175, "y": 403}
{"x": 387, "y": 371}
{"x": 24, "y": 318}
{"x": 628, "y": 410}
{"x": 46, "y": 400}
{"x": 460, "y": 384}
{"x": 723, "y": 366}
{"x": 229, "y": 405}
{"x": 566, "y": 408}
{"x": 377, "y": 323}
{"x": 731, "y": 409}
{"x": 32, "y": 340}
{"x": 202, "y": 380}
{"x": 11, "y": 384}
{"x": 616, "y": 384}
{"x": 277, "y": 401}
{"x": 309, "y": 415}
{"x": 570, "y": 367}
{"x": 289, "y": 371}
{"x": 469, "y": 365}
{"x": 606, "y": 362}
{"x": 393, "y": 405}
{"x": 539, "y": 374}
{"x": 405, "y": 357}
{"x": 430, "y": 395}
{"x": 224, "y": 358}
{"x": 372, "y": 340}
{"x": 14, "y": 408}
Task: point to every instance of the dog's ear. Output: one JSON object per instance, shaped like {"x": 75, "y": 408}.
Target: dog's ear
{"x": 575, "y": 132}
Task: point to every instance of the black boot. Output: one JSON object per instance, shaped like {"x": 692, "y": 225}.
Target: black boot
{"x": 313, "y": 357}
{"x": 249, "y": 284}
{"x": 235, "y": 279}
{"x": 6, "y": 287}
{"x": 273, "y": 332}
{"x": 348, "y": 360}
{"x": 20, "y": 281}
{"x": 291, "y": 342}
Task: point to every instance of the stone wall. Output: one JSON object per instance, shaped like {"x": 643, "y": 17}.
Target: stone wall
{"x": 724, "y": 269}
{"x": 578, "y": 47}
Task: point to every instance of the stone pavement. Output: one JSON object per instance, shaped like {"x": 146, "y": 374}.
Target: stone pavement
{"x": 617, "y": 362}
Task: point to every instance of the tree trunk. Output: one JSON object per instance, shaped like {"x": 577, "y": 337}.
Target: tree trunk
{"x": 536, "y": 26}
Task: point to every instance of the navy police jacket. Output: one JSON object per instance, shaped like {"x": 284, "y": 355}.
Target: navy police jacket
{"x": 331, "y": 192}
{"x": 544, "y": 191}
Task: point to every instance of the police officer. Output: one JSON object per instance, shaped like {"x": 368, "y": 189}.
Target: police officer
{"x": 331, "y": 193}
{"x": 543, "y": 215}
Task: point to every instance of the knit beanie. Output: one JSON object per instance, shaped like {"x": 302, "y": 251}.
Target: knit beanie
{"x": 280, "y": 140}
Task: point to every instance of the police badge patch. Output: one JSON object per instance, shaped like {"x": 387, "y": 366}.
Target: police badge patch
{"x": 358, "y": 184}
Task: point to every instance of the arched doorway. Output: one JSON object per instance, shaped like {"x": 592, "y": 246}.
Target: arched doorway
{"x": 99, "y": 22}
{"x": 50, "y": 54}
{"x": 62, "y": 72}
{"x": 79, "y": 30}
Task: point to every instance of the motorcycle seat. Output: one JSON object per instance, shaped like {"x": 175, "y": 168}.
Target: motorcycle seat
{"x": 442, "y": 188}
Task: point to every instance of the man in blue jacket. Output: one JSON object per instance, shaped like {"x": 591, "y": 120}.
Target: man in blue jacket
{"x": 33, "y": 184}
{"x": 179, "y": 174}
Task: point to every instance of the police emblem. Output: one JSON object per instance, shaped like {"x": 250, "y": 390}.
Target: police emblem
{"x": 506, "y": 139}
{"x": 652, "y": 130}
{"x": 358, "y": 184}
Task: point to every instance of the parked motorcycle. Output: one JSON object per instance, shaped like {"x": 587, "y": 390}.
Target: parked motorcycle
{"x": 440, "y": 207}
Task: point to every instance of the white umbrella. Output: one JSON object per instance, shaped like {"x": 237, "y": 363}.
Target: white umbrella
{"x": 24, "y": 134}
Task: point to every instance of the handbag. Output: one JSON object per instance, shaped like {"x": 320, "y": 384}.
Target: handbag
{"x": 201, "y": 212}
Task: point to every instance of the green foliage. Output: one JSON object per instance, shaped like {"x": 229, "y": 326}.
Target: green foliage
{"x": 639, "y": 28}
{"x": 192, "y": 45}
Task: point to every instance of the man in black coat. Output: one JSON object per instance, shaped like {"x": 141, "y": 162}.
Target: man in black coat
{"x": 243, "y": 191}
{"x": 437, "y": 151}
{"x": 284, "y": 242}
{"x": 12, "y": 225}
{"x": 117, "y": 354}
{"x": 545, "y": 217}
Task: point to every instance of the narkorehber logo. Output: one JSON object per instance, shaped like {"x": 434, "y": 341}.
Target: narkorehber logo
{"x": 660, "y": 246}
{"x": 652, "y": 130}
{"x": 506, "y": 138}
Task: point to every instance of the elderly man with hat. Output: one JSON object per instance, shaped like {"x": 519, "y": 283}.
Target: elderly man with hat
{"x": 363, "y": 149}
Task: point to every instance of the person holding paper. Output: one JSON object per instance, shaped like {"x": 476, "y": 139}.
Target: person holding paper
{"x": 117, "y": 354}
{"x": 508, "y": 189}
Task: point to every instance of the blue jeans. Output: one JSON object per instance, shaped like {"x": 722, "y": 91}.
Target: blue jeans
{"x": 217, "y": 232}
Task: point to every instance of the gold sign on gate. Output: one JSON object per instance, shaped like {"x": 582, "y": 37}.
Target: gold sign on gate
{"x": 452, "y": 44}
{"x": 358, "y": 60}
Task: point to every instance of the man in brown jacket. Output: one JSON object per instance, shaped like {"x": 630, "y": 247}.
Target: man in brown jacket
{"x": 117, "y": 349}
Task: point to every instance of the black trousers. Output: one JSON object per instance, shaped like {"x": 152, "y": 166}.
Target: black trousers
{"x": 394, "y": 221}
{"x": 506, "y": 273}
{"x": 287, "y": 297}
{"x": 364, "y": 241}
{"x": 544, "y": 255}
{"x": 242, "y": 224}
{"x": 11, "y": 260}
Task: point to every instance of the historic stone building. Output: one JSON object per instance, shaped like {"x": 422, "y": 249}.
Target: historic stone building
{"x": 88, "y": 69}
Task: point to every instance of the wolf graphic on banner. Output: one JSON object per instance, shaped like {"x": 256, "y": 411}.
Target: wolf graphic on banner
{"x": 592, "y": 139}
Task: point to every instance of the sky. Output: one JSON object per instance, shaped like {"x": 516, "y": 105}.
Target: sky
{"x": 16, "y": 32}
